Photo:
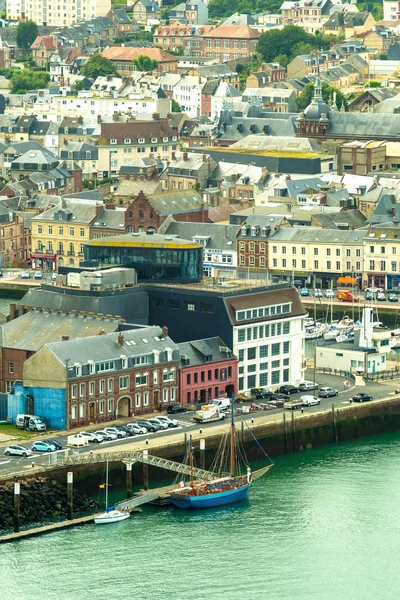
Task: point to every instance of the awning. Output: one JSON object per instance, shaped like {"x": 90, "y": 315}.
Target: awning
{"x": 34, "y": 255}
{"x": 347, "y": 281}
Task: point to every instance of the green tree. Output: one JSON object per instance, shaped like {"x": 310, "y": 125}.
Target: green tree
{"x": 144, "y": 63}
{"x": 383, "y": 56}
{"x": 82, "y": 85}
{"x": 98, "y": 66}
{"x": 328, "y": 91}
{"x": 176, "y": 107}
{"x": 287, "y": 41}
{"x": 23, "y": 81}
{"x": 27, "y": 32}
{"x": 372, "y": 83}
{"x": 282, "y": 59}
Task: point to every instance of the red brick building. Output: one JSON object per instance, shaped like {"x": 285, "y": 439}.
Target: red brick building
{"x": 145, "y": 213}
{"x": 207, "y": 370}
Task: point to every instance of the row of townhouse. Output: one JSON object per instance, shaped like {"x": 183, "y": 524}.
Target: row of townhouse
{"x": 101, "y": 372}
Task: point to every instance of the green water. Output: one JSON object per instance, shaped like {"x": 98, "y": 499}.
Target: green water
{"x": 322, "y": 525}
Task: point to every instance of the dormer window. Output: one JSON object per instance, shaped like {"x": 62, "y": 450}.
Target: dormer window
{"x": 264, "y": 231}
{"x": 244, "y": 230}
{"x": 253, "y": 231}
{"x": 113, "y": 141}
{"x": 141, "y": 141}
{"x": 154, "y": 140}
{"x": 66, "y": 130}
{"x": 174, "y": 138}
{"x": 165, "y": 139}
{"x": 127, "y": 141}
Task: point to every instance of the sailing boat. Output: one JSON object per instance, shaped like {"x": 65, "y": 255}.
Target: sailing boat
{"x": 111, "y": 515}
{"x": 220, "y": 491}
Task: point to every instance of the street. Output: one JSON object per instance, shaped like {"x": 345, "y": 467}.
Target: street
{"x": 17, "y": 465}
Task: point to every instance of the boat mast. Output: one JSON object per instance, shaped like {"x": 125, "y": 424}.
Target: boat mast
{"x": 106, "y": 482}
{"x": 233, "y": 437}
{"x": 191, "y": 462}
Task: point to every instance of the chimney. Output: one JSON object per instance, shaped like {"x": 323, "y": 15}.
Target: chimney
{"x": 393, "y": 211}
{"x": 99, "y": 209}
{"x": 165, "y": 331}
{"x": 185, "y": 156}
{"x": 64, "y": 338}
{"x": 64, "y": 203}
{"x": 120, "y": 340}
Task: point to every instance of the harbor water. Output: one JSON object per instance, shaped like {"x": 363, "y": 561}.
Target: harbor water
{"x": 323, "y": 524}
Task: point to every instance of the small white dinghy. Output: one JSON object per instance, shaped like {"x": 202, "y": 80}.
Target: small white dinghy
{"x": 111, "y": 515}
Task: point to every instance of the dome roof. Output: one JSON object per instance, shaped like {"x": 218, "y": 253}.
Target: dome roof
{"x": 316, "y": 109}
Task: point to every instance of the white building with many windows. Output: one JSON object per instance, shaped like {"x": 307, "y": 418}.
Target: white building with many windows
{"x": 53, "y": 12}
{"x": 268, "y": 337}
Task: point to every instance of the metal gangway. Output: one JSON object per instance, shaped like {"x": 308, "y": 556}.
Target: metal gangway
{"x": 142, "y": 457}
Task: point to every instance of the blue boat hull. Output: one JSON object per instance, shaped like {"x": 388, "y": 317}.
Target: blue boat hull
{"x": 211, "y": 500}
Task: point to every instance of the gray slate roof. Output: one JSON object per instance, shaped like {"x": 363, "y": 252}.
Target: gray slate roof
{"x": 38, "y": 327}
{"x": 197, "y": 350}
{"x": 354, "y": 219}
{"x": 221, "y": 237}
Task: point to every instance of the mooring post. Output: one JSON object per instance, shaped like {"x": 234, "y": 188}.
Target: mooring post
{"x": 70, "y": 494}
{"x": 242, "y": 431}
{"x": 128, "y": 479}
{"x": 17, "y": 505}
{"x": 293, "y": 432}
{"x": 202, "y": 453}
{"x": 185, "y": 441}
{"x": 145, "y": 471}
{"x": 285, "y": 433}
{"x": 335, "y": 437}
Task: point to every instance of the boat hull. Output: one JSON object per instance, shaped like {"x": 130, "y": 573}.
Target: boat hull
{"x": 105, "y": 518}
{"x": 211, "y": 500}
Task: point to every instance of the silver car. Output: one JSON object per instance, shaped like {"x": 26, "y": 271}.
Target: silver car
{"x": 17, "y": 451}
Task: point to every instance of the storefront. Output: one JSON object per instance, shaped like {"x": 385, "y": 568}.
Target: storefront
{"x": 393, "y": 283}
{"x": 45, "y": 262}
{"x": 376, "y": 280}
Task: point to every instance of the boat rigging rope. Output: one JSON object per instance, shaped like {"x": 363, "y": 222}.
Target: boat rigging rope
{"x": 258, "y": 443}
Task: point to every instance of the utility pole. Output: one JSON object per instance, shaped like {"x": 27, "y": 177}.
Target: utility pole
{"x": 67, "y": 398}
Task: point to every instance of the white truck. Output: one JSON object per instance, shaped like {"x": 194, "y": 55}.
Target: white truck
{"x": 208, "y": 413}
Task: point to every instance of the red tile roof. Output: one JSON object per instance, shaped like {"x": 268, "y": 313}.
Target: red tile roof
{"x": 49, "y": 41}
{"x": 242, "y": 32}
{"x": 126, "y": 53}
{"x": 221, "y": 213}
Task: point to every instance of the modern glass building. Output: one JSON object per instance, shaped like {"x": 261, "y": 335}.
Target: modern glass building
{"x": 155, "y": 257}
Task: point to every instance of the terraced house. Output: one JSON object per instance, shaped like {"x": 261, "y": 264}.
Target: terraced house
{"x": 227, "y": 42}
{"x": 98, "y": 378}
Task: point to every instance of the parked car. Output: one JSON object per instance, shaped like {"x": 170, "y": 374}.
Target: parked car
{"x": 176, "y": 408}
{"x": 17, "y": 451}
{"x": 40, "y": 446}
{"x": 317, "y": 293}
{"x": 381, "y": 297}
{"x": 25, "y": 275}
{"x": 279, "y": 397}
{"x": 91, "y": 436}
{"x": 304, "y": 292}
{"x": 38, "y": 275}
{"x": 327, "y": 392}
{"x": 54, "y": 443}
{"x": 362, "y": 398}
{"x": 151, "y": 427}
{"x": 260, "y": 393}
{"x": 374, "y": 290}
{"x": 118, "y": 432}
{"x": 288, "y": 389}
{"x": 329, "y": 294}
{"x": 170, "y": 422}
{"x": 304, "y": 386}
{"x": 393, "y": 298}
{"x": 370, "y": 296}
{"x": 107, "y": 435}
{"x": 298, "y": 283}
{"x": 127, "y": 430}
{"x": 137, "y": 429}
{"x": 161, "y": 424}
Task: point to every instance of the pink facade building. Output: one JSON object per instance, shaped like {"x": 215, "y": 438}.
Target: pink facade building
{"x": 207, "y": 370}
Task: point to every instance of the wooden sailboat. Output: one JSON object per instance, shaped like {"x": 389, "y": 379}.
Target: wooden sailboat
{"x": 111, "y": 515}
{"x": 223, "y": 490}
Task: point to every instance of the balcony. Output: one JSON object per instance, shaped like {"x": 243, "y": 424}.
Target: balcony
{"x": 71, "y": 253}
{"x": 60, "y": 251}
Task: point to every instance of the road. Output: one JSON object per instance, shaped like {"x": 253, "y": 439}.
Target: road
{"x": 16, "y": 465}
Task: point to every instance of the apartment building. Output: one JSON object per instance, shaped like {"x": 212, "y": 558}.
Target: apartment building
{"x": 56, "y": 13}
{"x": 121, "y": 143}
{"x": 122, "y": 58}
{"x": 382, "y": 257}
{"x": 224, "y": 43}
{"x": 317, "y": 257}
{"x": 308, "y": 14}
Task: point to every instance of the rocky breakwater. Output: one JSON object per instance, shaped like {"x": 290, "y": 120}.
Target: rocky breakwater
{"x": 42, "y": 499}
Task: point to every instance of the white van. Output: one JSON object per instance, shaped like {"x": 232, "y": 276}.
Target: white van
{"x": 223, "y": 404}
{"x": 310, "y": 400}
{"x": 30, "y": 422}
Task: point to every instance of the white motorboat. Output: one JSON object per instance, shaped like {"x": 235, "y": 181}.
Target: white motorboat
{"x": 111, "y": 515}
{"x": 331, "y": 335}
{"x": 314, "y": 332}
